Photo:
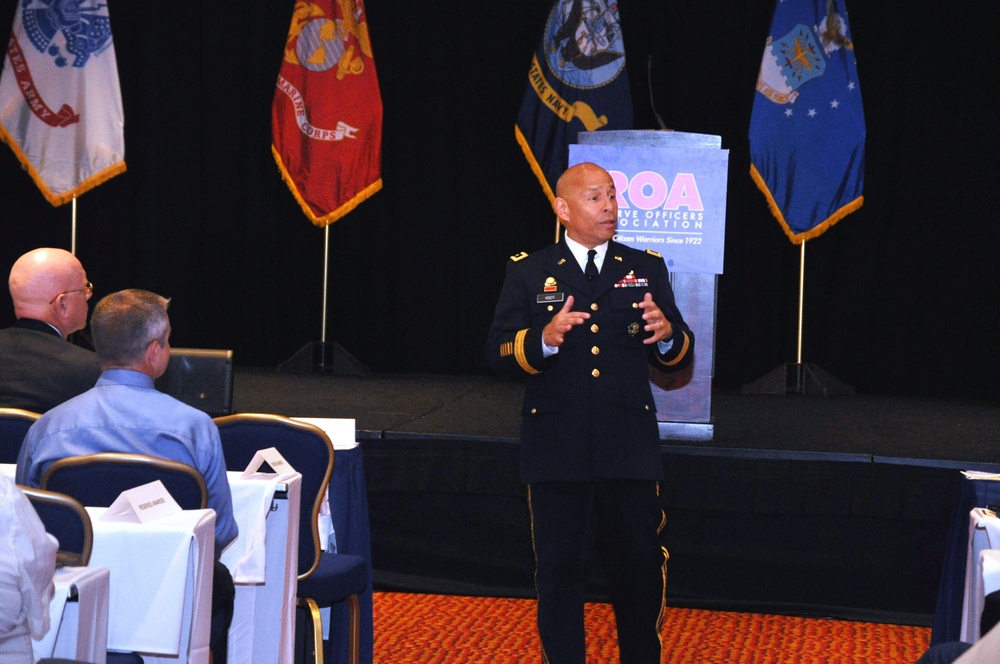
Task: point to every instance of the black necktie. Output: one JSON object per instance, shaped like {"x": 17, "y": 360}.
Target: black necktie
{"x": 591, "y": 269}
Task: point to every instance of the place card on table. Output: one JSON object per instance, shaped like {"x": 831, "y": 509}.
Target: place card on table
{"x": 340, "y": 430}
{"x": 142, "y": 504}
{"x": 272, "y": 457}
{"x": 980, "y": 475}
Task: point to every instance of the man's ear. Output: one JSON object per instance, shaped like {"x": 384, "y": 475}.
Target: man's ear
{"x": 560, "y": 208}
{"x": 151, "y": 351}
{"x": 60, "y": 306}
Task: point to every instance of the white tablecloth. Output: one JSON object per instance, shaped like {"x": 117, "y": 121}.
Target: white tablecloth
{"x": 161, "y": 583}
{"x": 264, "y": 564}
{"x": 982, "y": 571}
{"x": 78, "y": 616}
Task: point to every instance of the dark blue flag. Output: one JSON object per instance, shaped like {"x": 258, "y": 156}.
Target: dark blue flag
{"x": 807, "y": 129}
{"x": 577, "y": 82}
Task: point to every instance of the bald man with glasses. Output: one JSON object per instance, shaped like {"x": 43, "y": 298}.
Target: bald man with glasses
{"x": 39, "y": 368}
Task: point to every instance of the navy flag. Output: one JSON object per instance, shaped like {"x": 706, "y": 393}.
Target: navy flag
{"x": 807, "y": 128}
{"x": 577, "y": 82}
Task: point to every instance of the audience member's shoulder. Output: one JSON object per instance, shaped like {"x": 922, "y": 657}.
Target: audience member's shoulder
{"x": 61, "y": 413}
{"x": 187, "y": 412}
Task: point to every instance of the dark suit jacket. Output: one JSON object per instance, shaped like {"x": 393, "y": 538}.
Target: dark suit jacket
{"x": 588, "y": 410}
{"x": 39, "y": 369}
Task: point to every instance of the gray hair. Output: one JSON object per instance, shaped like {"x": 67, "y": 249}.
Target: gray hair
{"x": 125, "y": 323}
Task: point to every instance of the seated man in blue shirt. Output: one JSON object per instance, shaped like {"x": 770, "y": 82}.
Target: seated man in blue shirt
{"x": 123, "y": 412}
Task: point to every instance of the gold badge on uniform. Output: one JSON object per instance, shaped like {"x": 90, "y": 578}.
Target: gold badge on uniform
{"x": 633, "y": 329}
{"x": 550, "y": 285}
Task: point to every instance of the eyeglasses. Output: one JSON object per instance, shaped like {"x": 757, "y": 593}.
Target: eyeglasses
{"x": 88, "y": 290}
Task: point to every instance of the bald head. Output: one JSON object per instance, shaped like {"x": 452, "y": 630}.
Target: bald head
{"x": 50, "y": 285}
{"x": 586, "y": 204}
{"x": 577, "y": 176}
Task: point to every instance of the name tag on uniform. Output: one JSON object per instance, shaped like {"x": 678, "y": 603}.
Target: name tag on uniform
{"x": 548, "y": 298}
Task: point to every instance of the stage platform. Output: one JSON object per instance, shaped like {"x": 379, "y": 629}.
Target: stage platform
{"x": 798, "y": 504}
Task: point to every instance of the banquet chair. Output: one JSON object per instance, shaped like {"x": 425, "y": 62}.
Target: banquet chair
{"x": 14, "y": 424}
{"x": 65, "y": 519}
{"x": 324, "y": 578}
{"x": 96, "y": 480}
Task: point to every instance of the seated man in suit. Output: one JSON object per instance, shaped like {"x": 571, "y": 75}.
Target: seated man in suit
{"x": 124, "y": 412}
{"x": 27, "y": 563}
{"x": 41, "y": 369}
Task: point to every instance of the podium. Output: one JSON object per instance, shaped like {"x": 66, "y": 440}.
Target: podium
{"x": 672, "y": 199}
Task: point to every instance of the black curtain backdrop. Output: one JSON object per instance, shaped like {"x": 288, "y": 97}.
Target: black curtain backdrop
{"x": 901, "y": 297}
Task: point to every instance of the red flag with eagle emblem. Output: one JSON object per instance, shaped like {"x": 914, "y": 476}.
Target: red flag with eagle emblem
{"x": 326, "y": 118}
{"x": 60, "y": 104}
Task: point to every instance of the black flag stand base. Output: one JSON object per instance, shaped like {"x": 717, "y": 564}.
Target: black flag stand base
{"x": 323, "y": 357}
{"x": 805, "y": 379}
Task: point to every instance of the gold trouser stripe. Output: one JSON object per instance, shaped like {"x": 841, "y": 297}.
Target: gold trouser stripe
{"x": 663, "y": 571}
{"x": 680, "y": 355}
{"x": 531, "y": 515}
{"x": 519, "y": 352}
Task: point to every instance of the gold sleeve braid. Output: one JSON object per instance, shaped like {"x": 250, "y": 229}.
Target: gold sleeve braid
{"x": 681, "y": 354}
{"x": 519, "y": 352}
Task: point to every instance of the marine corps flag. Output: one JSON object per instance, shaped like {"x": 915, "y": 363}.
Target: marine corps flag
{"x": 807, "y": 128}
{"x": 577, "y": 82}
{"x": 326, "y": 119}
{"x": 60, "y": 104}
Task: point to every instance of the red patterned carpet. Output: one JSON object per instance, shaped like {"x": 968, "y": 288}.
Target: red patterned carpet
{"x": 447, "y": 629}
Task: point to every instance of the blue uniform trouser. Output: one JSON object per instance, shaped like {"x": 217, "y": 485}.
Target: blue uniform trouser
{"x": 624, "y": 517}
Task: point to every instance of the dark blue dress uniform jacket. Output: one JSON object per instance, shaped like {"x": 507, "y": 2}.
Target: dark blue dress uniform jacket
{"x": 588, "y": 411}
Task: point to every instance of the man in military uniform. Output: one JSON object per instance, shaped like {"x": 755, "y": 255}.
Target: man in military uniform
{"x": 584, "y": 320}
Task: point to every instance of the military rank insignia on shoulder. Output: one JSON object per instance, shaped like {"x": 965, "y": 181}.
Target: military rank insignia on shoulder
{"x": 654, "y": 253}
{"x": 519, "y": 257}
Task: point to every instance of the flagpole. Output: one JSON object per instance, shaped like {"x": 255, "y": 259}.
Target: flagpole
{"x": 798, "y": 378}
{"x": 326, "y": 272}
{"x": 72, "y": 236}
{"x": 798, "y": 387}
{"x": 323, "y": 356}
{"x": 802, "y": 290}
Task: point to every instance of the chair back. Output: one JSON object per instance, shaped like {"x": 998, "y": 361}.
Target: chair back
{"x": 305, "y": 446}
{"x": 66, "y": 520}
{"x": 96, "y": 480}
{"x": 14, "y": 424}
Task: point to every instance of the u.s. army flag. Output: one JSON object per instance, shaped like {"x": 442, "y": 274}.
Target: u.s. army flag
{"x": 60, "y": 104}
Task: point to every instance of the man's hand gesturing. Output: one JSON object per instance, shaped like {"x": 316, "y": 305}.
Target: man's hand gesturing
{"x": 565, "y": 320}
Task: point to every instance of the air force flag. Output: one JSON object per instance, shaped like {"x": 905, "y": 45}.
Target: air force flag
{"x": 807, "y": 129}
{"x": 577, "y": 82}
